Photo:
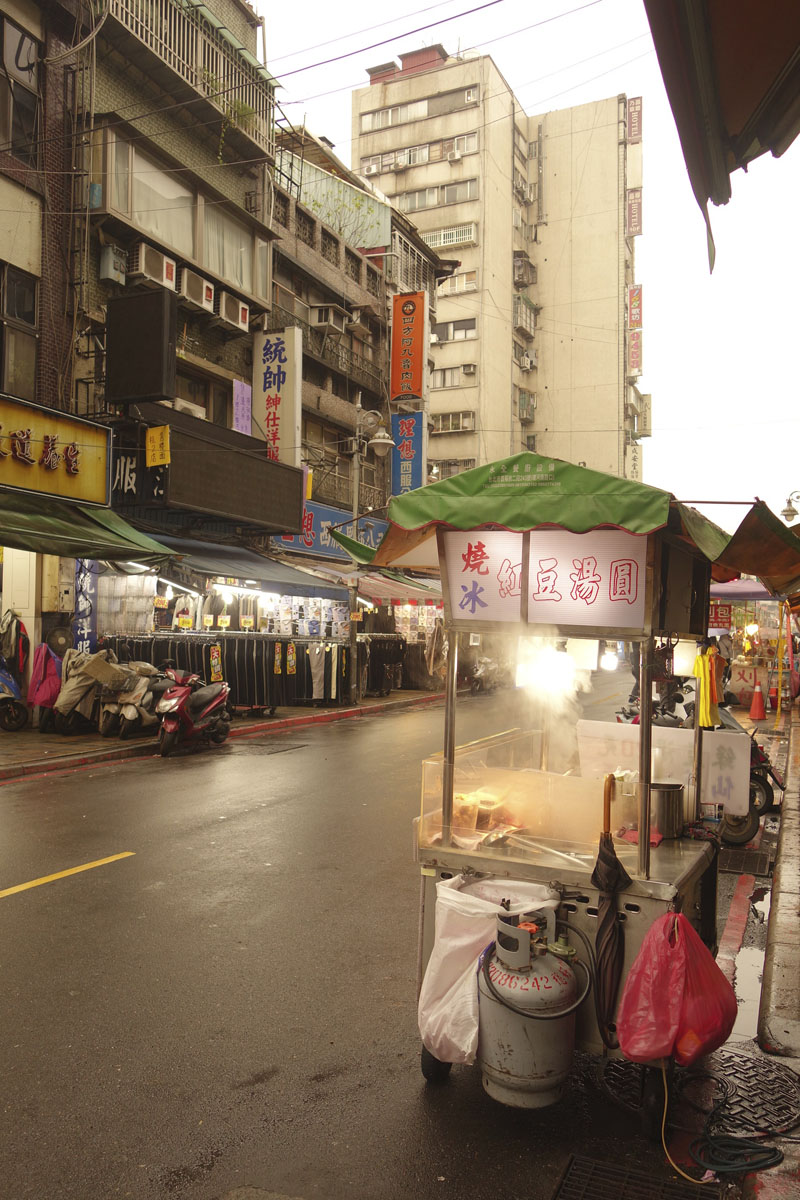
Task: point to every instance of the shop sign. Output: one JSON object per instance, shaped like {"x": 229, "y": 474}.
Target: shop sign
{"x": 208, "y": 620}
{"x": 223, "y": 621}
{"x": 156, "y": 446}
{"x": 592, "y": 580}
{"x": 407, "y": 456}
{"x": 160, "y": 602}
{"x": 45, "y": 451}
{"x": 408, "y": 346}
{"x": 720, "y": 615}
{"x": 633, "y": 224}
{"x": 242, "y": 407}
{"x": 84, "y": 623}
{"x": 635, "y": 306}
{"x": 132, "y": 482}
{"x": 276, "y": 394}
{"x": 315, "y": 540}
{"x": 247, "y": 622}
{"x": 185, "y": 623}
{"x": 215, "y": 657}
{"x": 635, "y": 119}
{"x": 635, "y": 352}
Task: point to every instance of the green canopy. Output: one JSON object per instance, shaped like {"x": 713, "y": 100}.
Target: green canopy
{"x": 45, "y": 525}
{"x": 526, "y": 491}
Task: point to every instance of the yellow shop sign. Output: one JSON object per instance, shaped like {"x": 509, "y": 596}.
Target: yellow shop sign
{"x": 46, "y": 451}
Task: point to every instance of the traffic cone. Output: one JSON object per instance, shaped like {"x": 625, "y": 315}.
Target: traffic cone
{"x": 757, "y": 712}
{"x": 773, "y": 697}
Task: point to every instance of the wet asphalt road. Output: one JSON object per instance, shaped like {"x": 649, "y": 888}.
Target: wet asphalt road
{"x": 233, "y": 1005}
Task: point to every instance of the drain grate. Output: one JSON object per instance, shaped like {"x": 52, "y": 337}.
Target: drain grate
{"x": 587, "y": 1179}
{"x": 765, "y": 1094}
{"x": 744, "y": 862}
{"x": 255, "y": 747}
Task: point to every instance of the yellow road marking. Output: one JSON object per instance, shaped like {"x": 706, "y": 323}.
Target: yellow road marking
{"x": 23, "y": 887}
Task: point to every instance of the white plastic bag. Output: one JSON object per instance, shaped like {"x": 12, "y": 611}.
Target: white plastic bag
{"x": 448, "y": 1001}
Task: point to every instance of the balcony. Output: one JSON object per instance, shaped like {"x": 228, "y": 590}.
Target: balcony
{"x": 524, "y": 317}
{"x": 326, "y": 350}
{"x": 178, "y": 42}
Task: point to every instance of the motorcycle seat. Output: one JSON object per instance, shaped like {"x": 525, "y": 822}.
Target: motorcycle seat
{"x": 204, "y": 696}
{"x": 159, "y": 686}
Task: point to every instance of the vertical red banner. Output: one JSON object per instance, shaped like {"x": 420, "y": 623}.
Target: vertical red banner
{"x": 408, "y": 345}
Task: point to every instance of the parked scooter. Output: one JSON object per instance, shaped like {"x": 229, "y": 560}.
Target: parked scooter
{"x": 75, "y": 709}
{"x": 487, "y": 676}
{"x": 761, "y": 768}
{"x": 193, "y": 709}
{"x": 13, "y": 709}
{"x": 139, "y": 714}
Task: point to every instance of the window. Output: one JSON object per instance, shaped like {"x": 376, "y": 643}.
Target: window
{"x": 213, "y": 395}
{"x": 399, "y": 115}
{"x": 445, "y": 377}
{"x": 19, "y": 93}
{"x": 465, "y": 281}
{"x": 425, "y": 198}
{"x": 452, "y": 235}
{"x": 456, "y": 331}
{"x": 158, "y": 203}
{"x": 471, "y": 96}
{"x": 448, "y": 467}
{"x": 412, "y": 156}
{"x": 456, "y": 193}
{"x": 18, "y": 342}
{"x": 450, "y": 193}
{"x": 454, "y": 422}
{"x": 517, "y": 349}
{"x": 530, "y": 443}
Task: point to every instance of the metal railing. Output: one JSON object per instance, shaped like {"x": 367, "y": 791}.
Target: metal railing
{"x": 210, "y": 60}
{"x": 320, "y": 345}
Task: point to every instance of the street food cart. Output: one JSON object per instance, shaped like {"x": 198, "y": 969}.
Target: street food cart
{"x": 563, "y": 563}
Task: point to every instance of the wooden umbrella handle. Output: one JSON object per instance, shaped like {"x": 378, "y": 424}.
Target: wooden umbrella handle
{"x": 608, "y": 792}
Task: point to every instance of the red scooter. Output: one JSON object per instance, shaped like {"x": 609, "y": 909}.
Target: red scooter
{"x": 192, "y": 709}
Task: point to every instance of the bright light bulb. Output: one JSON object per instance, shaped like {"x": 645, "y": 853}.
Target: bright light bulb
{"x": 169, "y": 592}
{"x": 227, "y": 595}
{"x": 751, "y": 630}
{"x": 608, "y": 661}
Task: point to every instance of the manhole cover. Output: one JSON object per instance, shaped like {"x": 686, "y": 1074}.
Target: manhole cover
{"x": 587, "y": 1179}
{"x": 744, "y": 862}
{"x": 749, "y": 1094}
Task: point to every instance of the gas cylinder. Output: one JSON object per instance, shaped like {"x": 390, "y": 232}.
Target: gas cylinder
{"x": 525, "y": 1046}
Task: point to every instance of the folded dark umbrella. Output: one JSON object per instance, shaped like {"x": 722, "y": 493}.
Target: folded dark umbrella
{"x": 609, "y": 877}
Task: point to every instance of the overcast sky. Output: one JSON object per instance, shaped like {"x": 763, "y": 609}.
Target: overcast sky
{"x": 720, "y": 352}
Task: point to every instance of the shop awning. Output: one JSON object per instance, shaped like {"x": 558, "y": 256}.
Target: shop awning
{"x": 732, "y": 73}
{"x": 379, "y": 586}
{"x": 236, "y": 562}
{"x": 44, "y": 525}
{"x": 740, "y": 591}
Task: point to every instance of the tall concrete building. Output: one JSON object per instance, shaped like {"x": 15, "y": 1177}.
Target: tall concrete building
{"x": 537, "y": 335}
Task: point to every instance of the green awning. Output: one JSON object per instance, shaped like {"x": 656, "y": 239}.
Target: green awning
{"x": 45, "y": 525}
{"x": 527, "y": 491}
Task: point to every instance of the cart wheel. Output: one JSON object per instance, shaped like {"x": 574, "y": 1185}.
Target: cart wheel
{"x": 651, "y": 1113}
{"x": 762, "y": 796}
{"x": 433, "y": 1070}
{"x": 738, "y": 831}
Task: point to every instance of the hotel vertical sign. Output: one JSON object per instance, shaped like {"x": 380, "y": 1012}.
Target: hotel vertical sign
{"x": 408, "y": 346}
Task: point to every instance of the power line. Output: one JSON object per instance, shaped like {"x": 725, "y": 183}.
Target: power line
{"x": 420, "y": 29}
{"x": 357, "y": 33}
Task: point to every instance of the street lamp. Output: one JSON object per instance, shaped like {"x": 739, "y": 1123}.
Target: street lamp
{"x": 790, "y": 512}
{"x": 367, "y": 422}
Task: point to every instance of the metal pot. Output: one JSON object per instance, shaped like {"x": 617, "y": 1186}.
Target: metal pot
{"x": 666, "y": 813}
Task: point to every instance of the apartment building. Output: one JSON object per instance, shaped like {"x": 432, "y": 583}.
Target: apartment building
{"x": 537, "y": 338}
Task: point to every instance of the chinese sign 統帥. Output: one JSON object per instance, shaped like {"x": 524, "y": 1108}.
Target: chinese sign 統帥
{"x": 408, "y": 345}
{"x": 276, "y": 394}
{"x": 45, "y": 451}
{"x": 594, "y": 579}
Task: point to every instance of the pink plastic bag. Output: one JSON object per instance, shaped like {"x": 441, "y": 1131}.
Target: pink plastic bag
{"x": 676, "y": 1002}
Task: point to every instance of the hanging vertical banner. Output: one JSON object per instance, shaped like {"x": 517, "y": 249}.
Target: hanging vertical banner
{"x": 276, "y": 401}
{"x": 407, "y": 456}
{"x": 635, "y": 352}
{"x": 242, "y": 407}
{"x": 635, "y": 306}
{"x": 633, "y": 224}
{"x": 408, "y": 345}
{"x": 635, "y": 119}
{"x": 84, "y": 621}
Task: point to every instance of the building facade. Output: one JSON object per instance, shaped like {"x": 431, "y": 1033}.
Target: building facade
{"x": 532, "y": 347}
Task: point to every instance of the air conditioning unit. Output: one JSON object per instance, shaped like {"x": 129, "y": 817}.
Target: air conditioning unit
{"x": 516, "y": 219}
{"x": 148, "y": 265}
{"x": 371, "y": 169}
{"x": 399, "y": 166}
{"x": 434, "y": 339}
{"x": 330, "y": 317}
{"x": 469, "y": 368}
{"x": 195, "y": 290}
{"x": 186, "y": 406}
{"x": 232, "y": 310}
{"x": 526, "y": 362}
{"x": 454, "y": 156}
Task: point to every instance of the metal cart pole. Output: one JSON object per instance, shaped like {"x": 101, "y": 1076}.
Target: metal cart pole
{"x": 645, "y": 754}
{"x": 449, "y": 749}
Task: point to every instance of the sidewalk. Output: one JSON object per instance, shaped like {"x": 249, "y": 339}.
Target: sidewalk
{"x": 31, "y": 753}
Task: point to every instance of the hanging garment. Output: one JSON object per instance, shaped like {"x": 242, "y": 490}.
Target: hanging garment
{"x": 45, "y": 677}
{"x": 703, "y": 671}
{"x": 316, "y": 658}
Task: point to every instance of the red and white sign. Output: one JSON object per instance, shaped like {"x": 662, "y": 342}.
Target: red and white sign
{"x": 720, "y": 616}
{"x": 635, "y": 119}
{"x": 594, "y": 580}
{"x": 635, "y": 352}
{"x": 635, "y": 306}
